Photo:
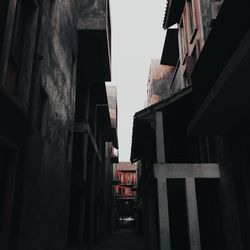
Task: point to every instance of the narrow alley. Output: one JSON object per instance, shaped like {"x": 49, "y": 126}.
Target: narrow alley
{"x": 124, "y": 239}
{"x": 174, "y": 174}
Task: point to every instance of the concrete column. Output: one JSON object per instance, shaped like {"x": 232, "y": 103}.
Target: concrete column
{"x": 92, "y": 200}
{"x": 163, "y": 214}
{"x": 160, "y": 145}
{"x": 85, "y": 135}
{"x": 192, "y": 213}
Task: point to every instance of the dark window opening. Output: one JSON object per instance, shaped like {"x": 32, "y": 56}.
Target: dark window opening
{"x": 211, "y": 236}
{"x": 41, "y": 115}
{"x": 18, "y": 37}
{"x": 3, "y": 16}
{"x": 178, "y": 214}
{"x": 52, "y": 10}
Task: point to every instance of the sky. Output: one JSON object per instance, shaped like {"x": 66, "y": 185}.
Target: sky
{"x": 137, "y": 37}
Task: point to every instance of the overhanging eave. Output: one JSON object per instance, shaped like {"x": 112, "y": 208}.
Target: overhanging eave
{"x": 173, "y": 13}
{"x": 228, "y": 102}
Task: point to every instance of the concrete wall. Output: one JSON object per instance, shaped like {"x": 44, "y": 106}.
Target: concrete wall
{"x": 159, "y": 80}
{"x": 44, "y": 215}
{"x": 92, "y": 14}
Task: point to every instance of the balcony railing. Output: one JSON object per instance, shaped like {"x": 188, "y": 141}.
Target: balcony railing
{"x": 125, "y": 196}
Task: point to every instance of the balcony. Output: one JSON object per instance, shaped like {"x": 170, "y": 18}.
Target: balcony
{"x": 94, "y": 40}
{"x": 125, "y": 196}
{"x": 127, "y": 183}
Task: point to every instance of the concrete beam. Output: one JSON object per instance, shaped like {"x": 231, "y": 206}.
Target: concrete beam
{"x": 186, "y": 170}
{"x": 163, "y": 214}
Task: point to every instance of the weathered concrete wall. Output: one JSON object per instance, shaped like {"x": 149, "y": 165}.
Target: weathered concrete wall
{"x": 159, "y": 80}
{"x": 46, "y": 194}
{"x": 92, "y": 14}
{"x": 206, "y": 16}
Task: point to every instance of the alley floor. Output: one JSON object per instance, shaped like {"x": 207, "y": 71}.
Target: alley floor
{"x": 122, "y": 240}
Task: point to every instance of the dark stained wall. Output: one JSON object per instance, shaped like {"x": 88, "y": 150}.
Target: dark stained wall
{"x": 47, "y": 181}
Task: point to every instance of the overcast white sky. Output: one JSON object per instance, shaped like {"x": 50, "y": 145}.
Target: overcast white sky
{"x": 137, "y": 37}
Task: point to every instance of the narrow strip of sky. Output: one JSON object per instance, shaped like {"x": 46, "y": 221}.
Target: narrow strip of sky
{"x": 137, "y": 37}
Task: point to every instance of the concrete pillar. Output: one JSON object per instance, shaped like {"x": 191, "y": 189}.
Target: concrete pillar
{"x": 163, "y": 214}
{"x": 92, "y": 200}
{"x": 192, "y": 214}
{"x": 160, "y": 145}
{"x": 85, "y": 135}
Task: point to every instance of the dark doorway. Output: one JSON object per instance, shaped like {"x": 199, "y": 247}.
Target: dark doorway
{"x": 8, "y": 167}
{"x": 177, "y": 214}
{"x": 207, "y": 191}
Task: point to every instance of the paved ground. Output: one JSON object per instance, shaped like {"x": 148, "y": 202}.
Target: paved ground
{"x": 123, "y": 240}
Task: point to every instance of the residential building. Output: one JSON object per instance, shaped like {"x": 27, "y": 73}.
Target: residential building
{"x": 159, "y": 79}
{"x": 126, "y": 176}
{"x": 56, "y": 137}
{"x": 193, "y": 145}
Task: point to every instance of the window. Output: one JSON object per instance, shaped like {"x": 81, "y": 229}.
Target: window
{"x": 120, "y": 191}
{"x": 52, "y": 11}
{"x": 129, "y": 179}
{"x": 41, "y": 115}
{"x": 183, "y": 41}
{"x": 17, "y": 42}
{"x": 3, "y": 16}
{"x": 191, "y": 20}
{"x": 190, "y": 63}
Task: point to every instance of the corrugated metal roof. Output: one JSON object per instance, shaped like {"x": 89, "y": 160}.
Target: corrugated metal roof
{"x": 142, "y": 125}
{"x": 173, "y": 12}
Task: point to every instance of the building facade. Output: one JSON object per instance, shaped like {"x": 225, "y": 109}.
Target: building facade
{"x": 125, "y": 175}
{"x": 159, "y": 79}
{"x": 192, "y": 145}
{"x": 56, "y": 137}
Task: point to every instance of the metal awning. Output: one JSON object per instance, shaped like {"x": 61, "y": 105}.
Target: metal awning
{"x": 173, "y": 12}
{"x": 143, "y": 126}
{"x": 170, "y": 53}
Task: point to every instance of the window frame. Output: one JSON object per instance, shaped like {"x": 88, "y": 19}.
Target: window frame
{"x": 183, "y": 41}
{"x": 192, "y": 24}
